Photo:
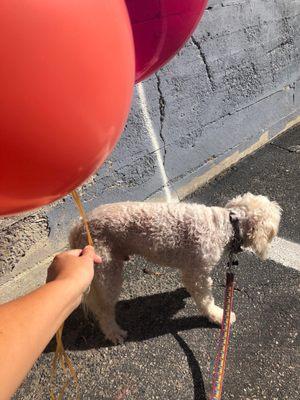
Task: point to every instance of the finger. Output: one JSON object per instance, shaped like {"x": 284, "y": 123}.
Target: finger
{"x": 74, "y": 252}
{"x": 90, "y": 252}
{"x": 97, "y": 259}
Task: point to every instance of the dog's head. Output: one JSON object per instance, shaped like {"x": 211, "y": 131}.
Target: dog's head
{"x": 259, "y": 220}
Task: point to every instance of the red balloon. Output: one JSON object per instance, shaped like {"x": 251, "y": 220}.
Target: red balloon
{"x": 160, "y": 28}
{"x": 66, "y": 79}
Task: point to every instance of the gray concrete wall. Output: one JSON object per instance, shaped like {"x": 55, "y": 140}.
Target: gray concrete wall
{"x": 233, "y": 86}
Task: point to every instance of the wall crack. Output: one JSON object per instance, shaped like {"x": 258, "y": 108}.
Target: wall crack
{"x": 162, "y": 112}
{"x": 203, "y": 58}
{"x": 240, "y": 109}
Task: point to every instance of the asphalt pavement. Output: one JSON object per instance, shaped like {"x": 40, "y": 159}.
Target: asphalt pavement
{"x": 170, "y": 348}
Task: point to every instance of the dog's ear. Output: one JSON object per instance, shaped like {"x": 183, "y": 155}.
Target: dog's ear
{"x": 258, "y": 236}
{"x": 263, "y": 225}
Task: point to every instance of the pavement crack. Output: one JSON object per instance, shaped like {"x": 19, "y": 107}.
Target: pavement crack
{"x": 292, "y": 149}
{"x": 246, "y": 292}
{"x": 203, "y": 58}
{"x": 242, "y": 291}
{"x": 162, "y": 111}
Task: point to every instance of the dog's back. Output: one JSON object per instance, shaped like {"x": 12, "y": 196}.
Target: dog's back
{"x": 157, "y": 231}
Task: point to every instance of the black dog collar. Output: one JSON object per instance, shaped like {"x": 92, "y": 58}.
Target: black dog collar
{"x": 237, "y": 241}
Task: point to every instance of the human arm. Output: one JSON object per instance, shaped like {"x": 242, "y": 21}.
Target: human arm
{"x": 27, "y": 324}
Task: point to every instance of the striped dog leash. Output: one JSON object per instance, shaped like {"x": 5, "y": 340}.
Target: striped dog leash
{"x": 220, "y": 361}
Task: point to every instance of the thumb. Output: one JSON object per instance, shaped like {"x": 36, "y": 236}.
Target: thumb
{"x": 89, "y": 252}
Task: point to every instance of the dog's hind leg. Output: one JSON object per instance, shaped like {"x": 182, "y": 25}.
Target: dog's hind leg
{"x": 102, "y": 299}
{"x": 200, "y": 288}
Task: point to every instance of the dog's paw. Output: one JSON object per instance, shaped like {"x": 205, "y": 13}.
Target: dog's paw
{"x": 215, "y": 315}
{"x": 116, "y": 336}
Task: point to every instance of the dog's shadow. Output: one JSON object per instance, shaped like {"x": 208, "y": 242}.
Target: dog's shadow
{"x": 142, "y": 317}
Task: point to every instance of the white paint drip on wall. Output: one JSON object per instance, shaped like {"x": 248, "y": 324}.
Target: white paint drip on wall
{"x": 155, "y": 142}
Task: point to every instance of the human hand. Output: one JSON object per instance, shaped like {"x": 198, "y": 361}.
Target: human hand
{"x": 76, "y": 267}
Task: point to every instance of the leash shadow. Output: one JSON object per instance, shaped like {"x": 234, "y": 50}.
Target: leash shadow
{"x": 143, "y": 317}
{"x": 198, "y": 381}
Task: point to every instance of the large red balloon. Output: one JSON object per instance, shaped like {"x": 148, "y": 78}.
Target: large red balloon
{"x": 66, "y": 81}
{"x": 160, "y": 29}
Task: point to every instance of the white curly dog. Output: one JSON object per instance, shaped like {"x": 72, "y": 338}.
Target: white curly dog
{"x": 189, "y": 237}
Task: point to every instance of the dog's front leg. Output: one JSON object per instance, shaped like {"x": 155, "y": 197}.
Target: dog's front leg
{"x": 200, "y": 288}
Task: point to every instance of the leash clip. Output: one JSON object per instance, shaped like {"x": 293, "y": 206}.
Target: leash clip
{"x": 232, "y": 262}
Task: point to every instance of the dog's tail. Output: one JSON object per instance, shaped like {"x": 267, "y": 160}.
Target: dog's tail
{"x": 77, "y": 237}
{"x": 78, "y": 240}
